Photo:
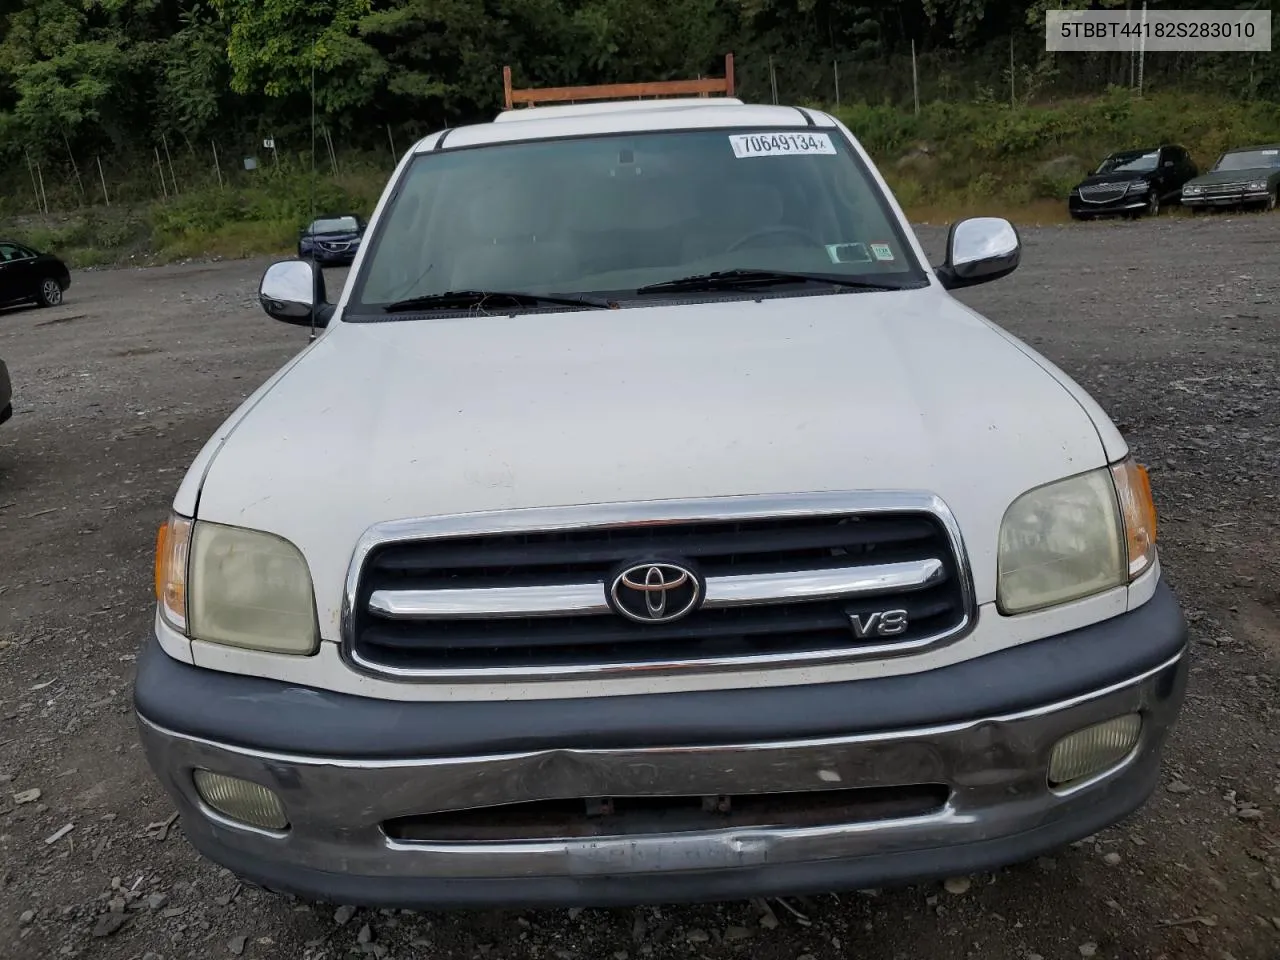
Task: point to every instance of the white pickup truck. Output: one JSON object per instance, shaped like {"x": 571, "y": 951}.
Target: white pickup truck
{"x": 650, "y": 523}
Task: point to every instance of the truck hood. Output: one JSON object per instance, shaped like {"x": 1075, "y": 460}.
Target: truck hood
{"x": 896, "y": 390}
{"x": 1233, "y": 176}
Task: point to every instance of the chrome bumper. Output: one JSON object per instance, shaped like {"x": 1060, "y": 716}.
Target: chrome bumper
{"x": 1225, "y": 200}
{"x": 994, "y": 769}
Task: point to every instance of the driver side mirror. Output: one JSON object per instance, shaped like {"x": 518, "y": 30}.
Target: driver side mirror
{"x": 979, "y": 249}
{"x": 293, "y": 291}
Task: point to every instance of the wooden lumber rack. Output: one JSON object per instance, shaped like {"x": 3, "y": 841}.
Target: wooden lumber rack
{"x": 619, "y": 91}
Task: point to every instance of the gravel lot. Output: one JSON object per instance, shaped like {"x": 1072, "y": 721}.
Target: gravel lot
{"x": 1173, "y": 325}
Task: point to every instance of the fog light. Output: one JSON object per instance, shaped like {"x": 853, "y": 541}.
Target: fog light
{"x": 241, "y": 800}
{"x": 1093, "y": 749}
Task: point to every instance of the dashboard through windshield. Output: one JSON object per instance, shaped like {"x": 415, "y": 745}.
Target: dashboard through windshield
{"x": 609, "y": 215}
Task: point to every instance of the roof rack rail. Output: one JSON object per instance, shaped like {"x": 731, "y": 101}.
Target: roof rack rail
{"x": 619, "y": 91}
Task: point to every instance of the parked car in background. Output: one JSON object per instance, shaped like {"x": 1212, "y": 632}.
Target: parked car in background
{"x": 332, "y": 240}
{"x": 1248, "y": 176}
{"x": 29, "y": 276}
{"x": 6, "y": 394}
{"x": 1132, "y": 183}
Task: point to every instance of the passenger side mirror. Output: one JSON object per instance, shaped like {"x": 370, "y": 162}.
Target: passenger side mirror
{"x": 293, "y": 291}
{"x": 979, "y": 249}
{"x": 1167, "y": 163}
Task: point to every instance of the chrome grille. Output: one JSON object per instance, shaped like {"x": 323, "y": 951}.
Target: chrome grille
{"x": 1225, "y": 189}
{"x": 785, "y": 579}
{"x": 1103, "y": 193}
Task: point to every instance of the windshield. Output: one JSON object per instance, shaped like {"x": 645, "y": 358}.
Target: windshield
{"x": 1133, "y": 161}
{"x": 611, "y": 214}
{"x": 336, "y": 225}
{"x": 1251, "y": 160}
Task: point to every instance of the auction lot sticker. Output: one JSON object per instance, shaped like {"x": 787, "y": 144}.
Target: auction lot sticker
{"x": 779, "y": 144}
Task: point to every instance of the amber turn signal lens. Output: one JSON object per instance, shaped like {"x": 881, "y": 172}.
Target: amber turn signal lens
{"x": 1138, "y": 508}
{"x": 172, "y": 543}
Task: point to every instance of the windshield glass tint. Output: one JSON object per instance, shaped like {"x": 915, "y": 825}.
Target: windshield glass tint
{"x": 1130, "y": 163}
{"x": 614, "y": 213}
{"x": 1250, "y": 160}
{"x": 336, "y": 225}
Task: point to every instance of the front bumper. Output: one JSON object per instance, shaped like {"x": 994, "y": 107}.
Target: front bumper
{"x": 328, "y": 258}
{"x": 1126, "y": 204}
{"x": 995, "y": 805}
{"x": 1237, "y": 199}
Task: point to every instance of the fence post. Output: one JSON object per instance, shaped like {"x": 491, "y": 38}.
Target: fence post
{"x": 1133, "y": 49}
{"x": 74, "y": 166}
{"x": 1012, "y": 99}
{"x": 1142, "y": 46}
{"x": 773, "y": 81}
{"x": 43, "y": 192}
{"x": 103, "y": 177}
{"x": 160, "y": 170}
{"x": 217, "y": 167}
{"x": 835, "y": 66}
{"x": 915, "y": 77}
{"x": 172, "y": 177}
{"x": 394, "y": 156}
{"x": 333, "y": 155}
{"x": 31, "y": 169}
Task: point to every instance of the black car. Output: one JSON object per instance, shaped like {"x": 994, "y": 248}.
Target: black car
{"x": 28, "y": 276}
{"x": 6, "y": 394}
{"x": 1132, "y": 183}
{"x": 332, "y": 240}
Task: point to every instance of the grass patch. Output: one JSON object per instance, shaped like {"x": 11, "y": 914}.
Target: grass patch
{"x": 1036, "y": 213}
{"x": 231, "y": 240}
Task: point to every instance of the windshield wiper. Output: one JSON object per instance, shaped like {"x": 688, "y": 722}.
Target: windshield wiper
{"x": 745, "y": 279}
{"x": 457, "y": 299}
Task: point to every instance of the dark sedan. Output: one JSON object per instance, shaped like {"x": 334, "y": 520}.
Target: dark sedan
{"x": 6, "y": 394}
{"x": 1249, "y": 176}
{"x": 1133, "y": 183}
{"x": 332, "y": 240}
{"x": 28, "y": 276}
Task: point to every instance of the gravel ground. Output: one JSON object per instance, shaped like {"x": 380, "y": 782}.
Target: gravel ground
{"x": 1173, "y": 325}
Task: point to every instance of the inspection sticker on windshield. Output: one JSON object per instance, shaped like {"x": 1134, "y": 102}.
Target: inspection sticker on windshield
{"x": 779, "y": 144}
{"x": 882, "y": 251}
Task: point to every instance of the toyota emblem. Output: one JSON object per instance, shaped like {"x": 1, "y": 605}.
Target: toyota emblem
{"x": 656, "y": 592}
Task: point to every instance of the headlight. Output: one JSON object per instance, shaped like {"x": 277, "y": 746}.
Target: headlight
{"x": 234, "y": 586}
{"x": 1192, "y": 189}
{"x": 1138, "y": 186}
{"x": 1075, "y": 538}
{"x": 1257, "y": 184}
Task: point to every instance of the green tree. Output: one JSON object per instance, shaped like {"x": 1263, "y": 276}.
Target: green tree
{"x": 273, "y": 46}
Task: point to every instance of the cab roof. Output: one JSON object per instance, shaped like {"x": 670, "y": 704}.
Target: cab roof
{"x": 633, "y": 116}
